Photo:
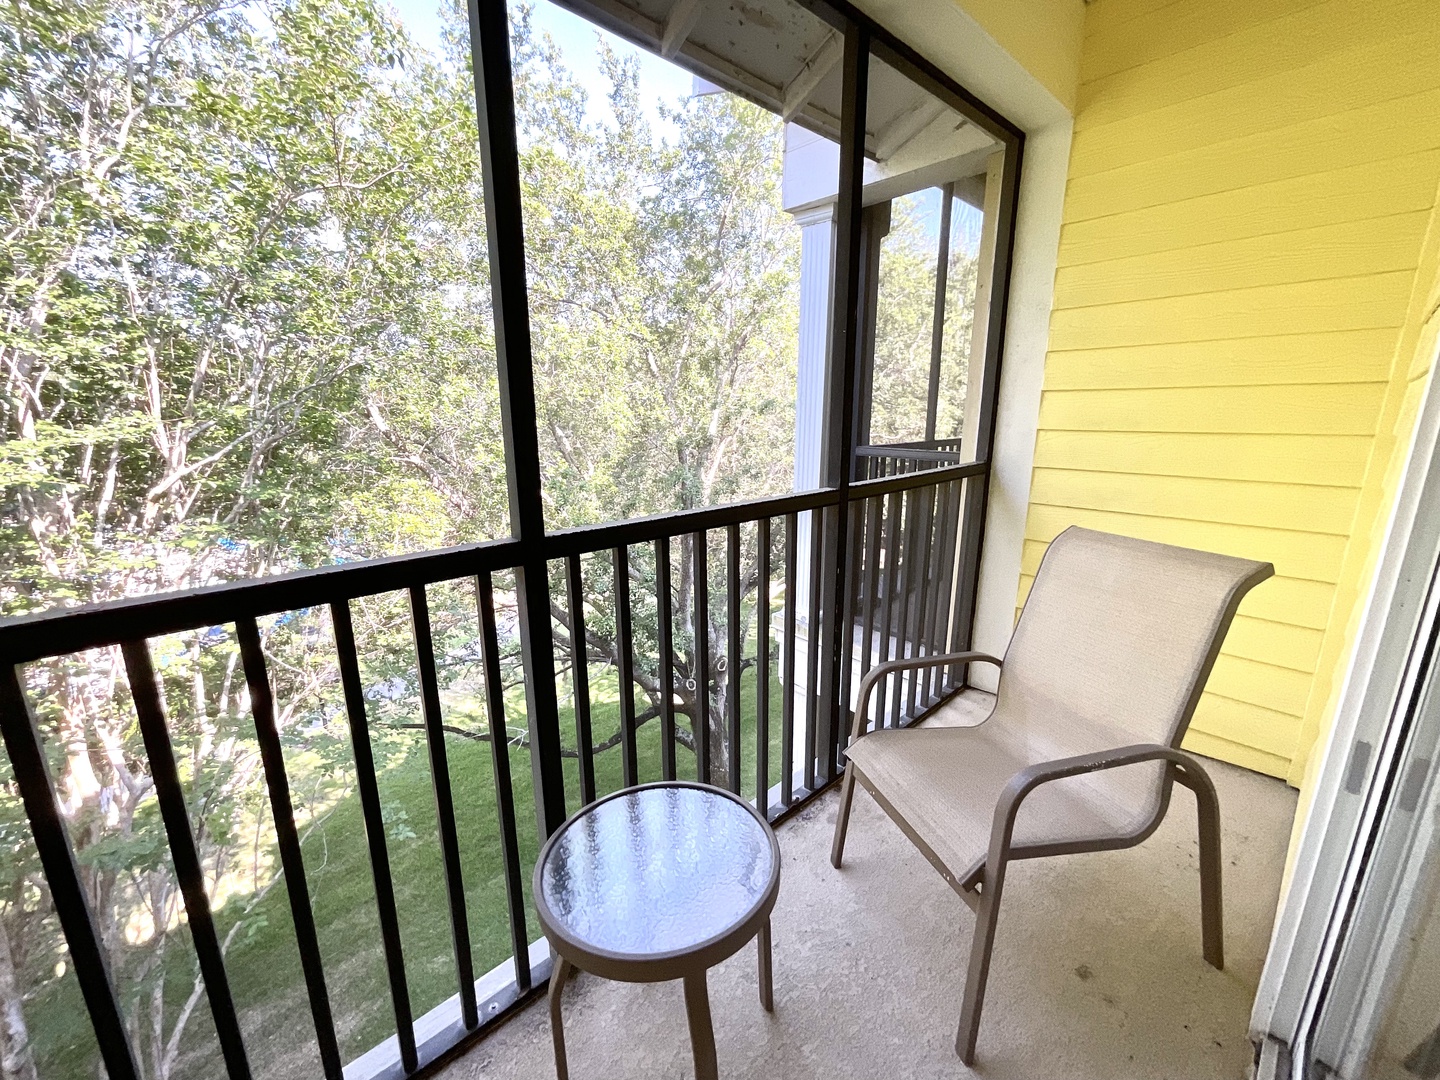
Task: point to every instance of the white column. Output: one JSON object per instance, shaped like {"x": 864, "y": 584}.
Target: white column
{"x": 817, "y": 248}
{"x": 817, "y": 253}
{"x": 980, "y": 325}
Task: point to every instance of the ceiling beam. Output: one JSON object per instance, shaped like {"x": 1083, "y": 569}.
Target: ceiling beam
{"x": 906, "y": 126}
{"x": 799, "y": 89}
{"x": 678, "y": 24}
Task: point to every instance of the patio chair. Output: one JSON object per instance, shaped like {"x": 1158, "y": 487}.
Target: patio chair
{"x": 1079, "y": 753}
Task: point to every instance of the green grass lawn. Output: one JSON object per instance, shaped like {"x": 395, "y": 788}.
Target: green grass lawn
{"x": 263, "y": 962}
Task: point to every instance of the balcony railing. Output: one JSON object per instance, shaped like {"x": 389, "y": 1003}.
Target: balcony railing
{"x": 887, "y": 577}
{"x": 893, "y": 459}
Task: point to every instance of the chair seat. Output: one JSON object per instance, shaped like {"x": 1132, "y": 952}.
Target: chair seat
{"x": 941, "y": 785}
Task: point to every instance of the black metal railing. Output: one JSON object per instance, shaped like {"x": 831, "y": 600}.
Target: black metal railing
{"x": 902, "y": 598}
{"x": 131, "y": 624}
{"x": 893, "y": 459}
{"x": 882, "y": 564}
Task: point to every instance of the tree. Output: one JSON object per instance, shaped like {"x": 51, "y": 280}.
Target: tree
{"x": 664, "y": 294}
{"x": 215, "y": 238}
{"x": 904, "y": 321}
{"x": 246, "y": 328}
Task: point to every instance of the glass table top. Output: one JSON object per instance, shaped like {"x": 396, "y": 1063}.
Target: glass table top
{"x": 659, "y": 870}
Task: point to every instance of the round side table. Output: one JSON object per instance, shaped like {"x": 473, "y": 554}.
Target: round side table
{"x": 658, "y": 882}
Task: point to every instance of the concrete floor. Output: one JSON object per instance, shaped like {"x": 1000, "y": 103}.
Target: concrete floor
{"x": 1097, "y": 970}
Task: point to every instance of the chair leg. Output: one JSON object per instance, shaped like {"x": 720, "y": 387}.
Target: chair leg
{"x": 986, "y": 917}
{"x": 558, "y": 977}
{"x": 1212, "y": 915}
{"x": 842, "y": 817}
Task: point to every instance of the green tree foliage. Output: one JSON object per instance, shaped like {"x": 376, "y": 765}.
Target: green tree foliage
{"x": 904, "y": 324}
{"x": 245, "y": 327}
{"x": 663, "y": 288}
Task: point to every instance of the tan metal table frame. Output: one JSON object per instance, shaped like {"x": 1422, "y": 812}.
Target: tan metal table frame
{"x": 689, "y": 964}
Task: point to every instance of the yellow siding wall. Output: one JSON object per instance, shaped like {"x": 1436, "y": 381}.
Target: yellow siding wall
{"x": 1250, "y": 185}
{"x": 1414, "y": 360}
{"x": 1044, "y": 35}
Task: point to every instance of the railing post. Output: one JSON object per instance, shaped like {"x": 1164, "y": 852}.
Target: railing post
{"x": 287, "y": 838}
{"x": 149, "y": 702}
{"x": 500, "y": 168}
{"x": 26, "y": 748}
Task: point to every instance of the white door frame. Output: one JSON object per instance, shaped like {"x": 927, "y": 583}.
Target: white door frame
{"x": 1380, "y": 940}
{"x": 1381, "y": 691}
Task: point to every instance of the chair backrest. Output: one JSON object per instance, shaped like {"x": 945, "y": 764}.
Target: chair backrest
{"x": 1113, "y": 647}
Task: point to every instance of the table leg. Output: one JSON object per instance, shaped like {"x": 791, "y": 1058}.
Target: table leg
{"x": 762, "y": 945}
{"x": 559, "y": 974}
{"x": 702, "y": 1034}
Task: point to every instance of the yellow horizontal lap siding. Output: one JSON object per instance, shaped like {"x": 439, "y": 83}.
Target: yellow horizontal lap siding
{"x": 1331, "y": 409}
{"x": 1294, "y": 601}
{"x": 1172, "y": 29}
{"x": 1267, "y": 730}
{"x": 1353, "y": 248}
{"x": 1322, "y": 460}
{"x": 1278, "y": 643}
{"x": 1107, "y": 17}
{"x": 1324, "y": 197}
{"x": 1319, "y": 145}
{"x": 1034, "y": 551}
{"x": 1342, "y": 356}
{"x": 1045, "y": 36}
{"x": 1269, "y": 686}
{"x": 1347, "y": 303}
{"x": 1200, "y": 742}
{"x": 1291, "y": 40}
{"x": 1372, "y": 72}
{"x": 1233, "y": 502}
{"x": 1301, "y": 555}
{"x": 1250, "y": 183}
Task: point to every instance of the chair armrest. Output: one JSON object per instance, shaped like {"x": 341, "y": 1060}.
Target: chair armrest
{"x": 879, "y": 671}
{"x": 1033, "y": 776}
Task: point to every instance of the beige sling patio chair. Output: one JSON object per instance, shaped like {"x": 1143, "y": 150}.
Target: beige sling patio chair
{"x": 1079, "y": 753}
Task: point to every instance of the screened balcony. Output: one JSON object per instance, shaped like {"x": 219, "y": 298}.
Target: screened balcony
{"x": 424, "y": 419}
{"x": 321, "y": 792}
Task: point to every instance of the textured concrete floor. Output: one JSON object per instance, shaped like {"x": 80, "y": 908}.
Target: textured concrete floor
{"x": 1097, "y": 970}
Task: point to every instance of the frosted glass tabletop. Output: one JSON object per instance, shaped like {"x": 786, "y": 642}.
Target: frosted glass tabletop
{"x": 657, "y": 871}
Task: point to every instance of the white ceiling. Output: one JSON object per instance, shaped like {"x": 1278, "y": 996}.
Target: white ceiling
{"x": 787, "y": 59}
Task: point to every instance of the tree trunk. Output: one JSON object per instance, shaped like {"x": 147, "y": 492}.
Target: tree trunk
{"x": 16, "y": 1060}
{"x": 719, "y": 730}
